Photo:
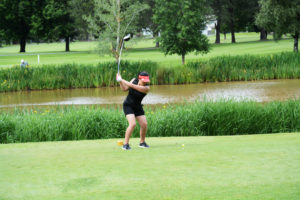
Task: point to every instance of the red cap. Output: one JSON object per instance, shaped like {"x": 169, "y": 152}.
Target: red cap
{"x": 144, "y": 78}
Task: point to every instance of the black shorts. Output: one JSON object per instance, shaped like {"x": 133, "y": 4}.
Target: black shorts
{"x": 137, "y": 110}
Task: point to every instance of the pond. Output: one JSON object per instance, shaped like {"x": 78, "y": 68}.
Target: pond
{"x": 260, "y": 91}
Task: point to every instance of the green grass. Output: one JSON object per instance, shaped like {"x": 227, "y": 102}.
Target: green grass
{"x": 70, "y": 75}
{"x": 205, "y": 118}
{"x": 84, "y": 52}
{"x": 217, "y": 69}
{"x": 225, "y": 167}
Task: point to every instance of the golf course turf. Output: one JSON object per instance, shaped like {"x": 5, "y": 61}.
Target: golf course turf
{"x": 138, "y": 50}
{"x": 246, "y": 167}
{"x": 217, "y": 167}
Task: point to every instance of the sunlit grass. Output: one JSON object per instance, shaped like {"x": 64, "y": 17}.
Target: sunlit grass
{"x": 224, "y": 167}
{"x": 84, "y": 52}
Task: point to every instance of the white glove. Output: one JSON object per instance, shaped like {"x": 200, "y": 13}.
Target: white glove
{"x": 118, "y": 77}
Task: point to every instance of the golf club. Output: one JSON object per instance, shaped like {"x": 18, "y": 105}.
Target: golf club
{"x": 126, "y": 38}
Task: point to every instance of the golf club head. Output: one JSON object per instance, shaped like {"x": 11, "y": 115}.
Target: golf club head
{"x": 127, "y": 37}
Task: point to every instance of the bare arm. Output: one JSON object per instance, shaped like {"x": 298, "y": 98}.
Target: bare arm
{"x": 125, "y": 87}
{"x": 143, "y": 89}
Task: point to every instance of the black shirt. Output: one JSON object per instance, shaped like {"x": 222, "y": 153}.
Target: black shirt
{"x": 134, "y": 97}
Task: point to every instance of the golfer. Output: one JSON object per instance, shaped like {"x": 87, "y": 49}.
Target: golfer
{"x": 133, "y": 108}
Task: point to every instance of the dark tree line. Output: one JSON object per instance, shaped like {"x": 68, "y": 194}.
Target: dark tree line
{"x": 54, "y": 20}
{"x": 37, "y": 20}
{"x": 280, "y": 17}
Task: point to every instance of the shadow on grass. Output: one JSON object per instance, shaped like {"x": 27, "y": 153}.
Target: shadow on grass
{"x": 249, "y": 42}
{"x": 149, "y": 49}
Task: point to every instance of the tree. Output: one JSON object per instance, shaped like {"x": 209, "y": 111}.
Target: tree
{"x": 146, "y": 19}
{"x": 78, "y": 9}
{"x": 22, "y": 20}
{"x": 282, "y": 17}
{"x": 15, "y": 20}
{"x": 180, "y": 23}
{"x": 218, "y": 10}
{"x": 119, "y": 17}
{"x": 1, "y": 37}
{"x": 251, "y": 26}
{"x": 57, "y": 12}
{"x": 238, "y": 15}
{"x": 53, "y": 22}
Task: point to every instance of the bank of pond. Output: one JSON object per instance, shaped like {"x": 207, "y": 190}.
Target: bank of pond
{"x": 218, "y": 69}
{"x": 209, "y": 118}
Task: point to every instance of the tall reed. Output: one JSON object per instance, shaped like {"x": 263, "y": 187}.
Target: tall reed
{"x": 223, "y": 117}
{"x": 233, "y": 68}
{"x": 217, "y": 69}
{"x": 69, "y": 75}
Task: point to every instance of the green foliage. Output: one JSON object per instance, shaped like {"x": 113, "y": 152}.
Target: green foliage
{"x": 119, "y": 18}
{"x": 281, "y": 17}
{"x": 7, "y": 129}
{"x": 146, "y": 17}
{"x": 233, "y": 68}
{"x": 199, "y": 118}
{"x": 69, "y": 75}
{"x": 78, "y": 8}
{"x": 15, "y": 20}
{"x": 55, "y": 22}
{"x": 38, "y": 20}
{"x": 180, "y": 24}
{"x": 217, "y": 69}
{"x": 238, "y": 15}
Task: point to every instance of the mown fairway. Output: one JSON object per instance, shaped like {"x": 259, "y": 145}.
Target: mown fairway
{"x": 224, "y": 167}
{"x": 84, "y": 52}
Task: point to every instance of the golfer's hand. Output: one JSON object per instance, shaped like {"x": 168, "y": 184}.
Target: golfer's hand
{"x": 118, "y": 78}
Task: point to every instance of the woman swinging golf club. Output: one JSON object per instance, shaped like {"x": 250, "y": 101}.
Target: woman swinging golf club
{"x": 133, "y": 108}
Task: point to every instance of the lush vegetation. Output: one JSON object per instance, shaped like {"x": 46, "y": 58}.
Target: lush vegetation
{"x": 227, "y": 168}
{"x": 69, "y": 75}
{"x": 183, "y": 35}
{"x": 280, "y": 17}
{"x": 48, "y": 21}
{"x": 240, "y": 167}
{"x": 199, "y": 118}
{"x": 225, "y": 68}
{"x": 137, "y": 50}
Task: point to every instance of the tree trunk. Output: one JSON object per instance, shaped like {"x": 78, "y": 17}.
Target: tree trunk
{"x": 155, "y": 34}
{"x": 232, "y": 36}
{"x": 263, "y": 34}
{"x": 224, "y": 36}
{"x": 22, "y": 44}
{"x": 182, "y": 58}
{"x": 232, "y": 23}
{"x": 67, "y": 43}
{"x": 217, "y": 26}
{"x": 156, "y": 44}
{"x": 296, "y": 37}
{"x": 232, "y": 31}
{"x": 114, "y": 52}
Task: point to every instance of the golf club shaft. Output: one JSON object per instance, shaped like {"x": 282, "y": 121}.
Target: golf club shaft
{"x": 120, "y": 57}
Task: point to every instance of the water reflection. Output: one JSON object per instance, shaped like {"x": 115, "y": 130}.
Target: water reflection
{"x": 261, "y": 91}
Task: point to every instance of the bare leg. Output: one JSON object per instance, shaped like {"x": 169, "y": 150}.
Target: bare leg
{"x": 143, "y": 124}
{"x": 130, "y": 128}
